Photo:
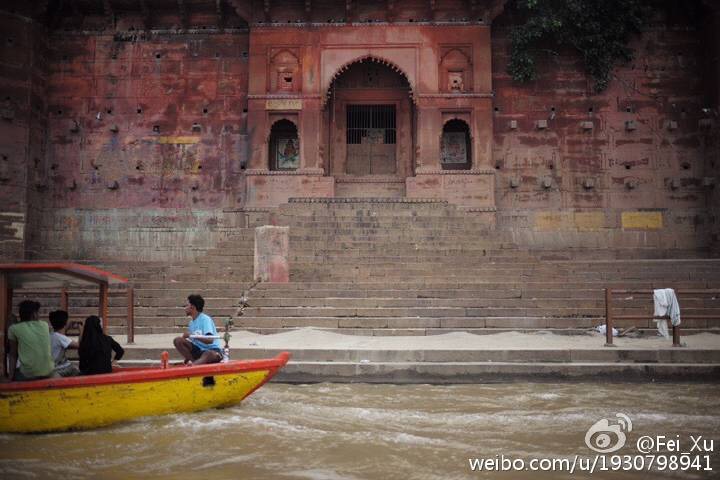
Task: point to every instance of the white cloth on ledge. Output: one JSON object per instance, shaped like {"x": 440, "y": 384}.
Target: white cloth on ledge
{"x": 603, "y": 330}
{"x": 666, "y": 304}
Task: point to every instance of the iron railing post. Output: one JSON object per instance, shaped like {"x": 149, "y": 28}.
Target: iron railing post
{"x": 608, "y": 318}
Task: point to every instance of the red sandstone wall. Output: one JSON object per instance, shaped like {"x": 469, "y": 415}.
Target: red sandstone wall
{"x": 23, "y": 128}
{"x": 97, "y": 191}
{"x": 146, "y": 144}
{"x": 608, "y": 186}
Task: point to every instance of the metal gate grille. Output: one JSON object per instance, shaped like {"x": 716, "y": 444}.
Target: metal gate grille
{"x": 364, "y": 121}
{"x": 371, "y": 137}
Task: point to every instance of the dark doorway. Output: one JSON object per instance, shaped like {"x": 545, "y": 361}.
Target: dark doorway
{"x": 284, "y": 146}
{"x": 455, "y": 147}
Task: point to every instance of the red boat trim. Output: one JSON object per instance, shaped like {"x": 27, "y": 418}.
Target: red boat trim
{"x": 84, "y": 272}
{"x": 142, "y": 375}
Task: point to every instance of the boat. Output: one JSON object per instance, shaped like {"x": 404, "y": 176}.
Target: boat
{"x": 85, "y": 402}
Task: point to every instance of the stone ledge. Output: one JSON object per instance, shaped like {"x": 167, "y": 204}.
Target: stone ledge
{"x": 485, "y": 171}
{"x": 369, "y": 180}
{"x": 255, "y": 210}
{"x": 457, "y": 95}
{"x": 283, "y": 96}
{"x": 246, "y": 210}
{"x": 479, "y": 209}
{"x": 308, "y": 172}
{"x": 154, "y": 31}
{"x": 483, "y": 372}
{"x": 367, "y": 200}
{"x": 425, "y": 23}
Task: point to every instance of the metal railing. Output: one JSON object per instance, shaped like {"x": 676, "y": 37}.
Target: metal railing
{"x": 610, "y": 317}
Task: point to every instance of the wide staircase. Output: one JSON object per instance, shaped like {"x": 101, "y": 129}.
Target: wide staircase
{"x": 562, "y": 297}
{"x": 399, "y": 267}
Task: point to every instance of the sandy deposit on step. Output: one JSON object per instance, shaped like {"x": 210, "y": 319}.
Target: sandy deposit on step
{"x": 313, "y": 338}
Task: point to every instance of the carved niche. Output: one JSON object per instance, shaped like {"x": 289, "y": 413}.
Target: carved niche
{"x": 284, "y": 72}
{"x": 456, "y": 69}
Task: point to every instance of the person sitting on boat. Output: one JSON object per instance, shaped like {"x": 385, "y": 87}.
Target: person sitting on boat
{"x": 194, "y": 349}
{"x": 59, "y": 344}
{"x": 29, "y": 342}
{"x": 96, "y": 348}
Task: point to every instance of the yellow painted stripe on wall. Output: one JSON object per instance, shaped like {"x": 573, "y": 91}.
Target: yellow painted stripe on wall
{"x": 553, "y": 221}
{"x": 89, "y": 407}
{"x": 176, "y": 140}
{"x": 642, "y": 220}
{"x": 589, "y": 221}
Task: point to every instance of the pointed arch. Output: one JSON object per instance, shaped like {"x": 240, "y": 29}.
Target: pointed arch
{"x": 454, "y": 58}
{"x": 284, "y": 145}
{"x": 284, "y": 119}
{"x": 455, "y": 145}
{"x": 368, "y": 58}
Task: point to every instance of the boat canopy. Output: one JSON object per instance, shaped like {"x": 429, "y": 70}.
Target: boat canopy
{"x": 63, "y": 277}
{"x": 38, "y": 276}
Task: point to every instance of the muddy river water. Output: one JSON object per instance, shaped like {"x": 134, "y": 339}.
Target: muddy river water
{"x": 360, "y": 431}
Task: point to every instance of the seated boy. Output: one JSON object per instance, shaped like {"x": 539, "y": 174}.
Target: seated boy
{"x": 29, "y": 342}
{"x": 59, "y": 344}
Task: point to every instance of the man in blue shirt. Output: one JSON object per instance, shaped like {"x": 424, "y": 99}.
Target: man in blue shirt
{"x": 195, "y": 350}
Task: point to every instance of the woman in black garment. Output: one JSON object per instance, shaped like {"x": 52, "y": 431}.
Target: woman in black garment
{"x": 96, "y": 348}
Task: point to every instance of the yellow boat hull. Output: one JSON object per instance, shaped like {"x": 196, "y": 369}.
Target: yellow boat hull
{"x": 59, "y": 406}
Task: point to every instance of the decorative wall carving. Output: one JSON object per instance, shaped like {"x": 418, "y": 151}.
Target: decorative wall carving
{"x": 285, "y": 71}
{"x": 456, "y": 69}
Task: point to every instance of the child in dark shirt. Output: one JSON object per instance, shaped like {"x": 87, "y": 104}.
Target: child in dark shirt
{"x": 96, "y": 348}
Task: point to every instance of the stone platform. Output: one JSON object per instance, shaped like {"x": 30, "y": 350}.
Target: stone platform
{"x": 323, "y": 356}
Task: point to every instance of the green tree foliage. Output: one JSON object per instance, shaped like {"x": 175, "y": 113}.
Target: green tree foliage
{"x": 599, "y": 30}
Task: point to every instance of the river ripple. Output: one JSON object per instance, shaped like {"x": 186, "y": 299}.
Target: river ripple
{"x": 360, "y": 431}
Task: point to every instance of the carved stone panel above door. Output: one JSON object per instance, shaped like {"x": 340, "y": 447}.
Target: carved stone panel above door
{"x": 456, "y": 69}
{"x": 285, "y": 71}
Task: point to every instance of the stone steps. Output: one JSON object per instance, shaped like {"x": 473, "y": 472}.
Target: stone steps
{"x": 375, "y": 302}
{"x": 485, "y": 283}
{"x": 486, "y": 318}
{"x": 491, "y": 372}
{"x": 408, "y": 262}
{"x": 689, "y": 305}
{"x": 572, "y": 320}
{"x": 403, "y": 332}
{"x": 401, "y": 266}
{"x": 473, "y": 365}
{"x": 598, "y": 355}
{"x": 484, "y": 372}
{"x": 433, "y": 312}
{"x": 454, "y": 323}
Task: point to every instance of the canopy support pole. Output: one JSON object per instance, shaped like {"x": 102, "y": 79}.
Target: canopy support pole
{"x": 5, "y": 310}
{"x": 131, "y": 315}
{"x": 64, "y": 300}
{"x": 103, "y": 305}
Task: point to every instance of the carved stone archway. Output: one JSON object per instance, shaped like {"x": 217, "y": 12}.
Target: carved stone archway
{"x": 371, "y": 58}
{"x": 369, "y": 116}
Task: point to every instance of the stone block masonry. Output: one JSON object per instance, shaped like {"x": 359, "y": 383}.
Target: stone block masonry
{"x": 272, "y": 251}
{"x": 126, "y": 134}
